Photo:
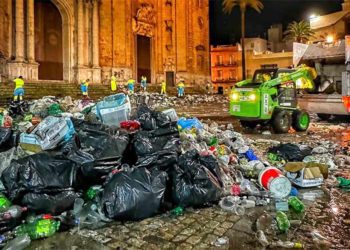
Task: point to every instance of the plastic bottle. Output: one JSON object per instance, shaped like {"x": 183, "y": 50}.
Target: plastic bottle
{"x": 78, "y": 205}
{"x": 296, "y": 204}
{"x": 12, "y": 212}
{"x": 93, "y": 191}
{"x": 18, "y": 243}
{"x": 282, "y": 222}
{"x": 287, "y": 244}
{"x": 38, "y": 229}
{"x": 262, "y": 238}
{"x": 4, "y": 203}
{"x": 247, "y": 203}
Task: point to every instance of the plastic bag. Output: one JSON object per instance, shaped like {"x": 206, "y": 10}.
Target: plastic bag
{"x": 290, "y": 152}
{"x": 184, "y": 123}
{"x": 196, "y": 181}
{"x": 52, "y": 203}
{"x": 5, "y": 139}
{"x": 39, "y": 173}
{"x": 133, "y": 195}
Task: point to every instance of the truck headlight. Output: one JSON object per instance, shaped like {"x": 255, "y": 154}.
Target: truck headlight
{"x": 252, "y": 97}
{"x": 235, "y": 96}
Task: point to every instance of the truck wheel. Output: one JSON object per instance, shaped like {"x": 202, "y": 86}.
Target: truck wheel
{"x": 324, "y": 117}
{"x": 281, "y": 121}
{"x": 301, "y": 120}
{"x": 248, "y": 124}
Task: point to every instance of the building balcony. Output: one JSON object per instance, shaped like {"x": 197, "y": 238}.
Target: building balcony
{"x": 225, "y": 65}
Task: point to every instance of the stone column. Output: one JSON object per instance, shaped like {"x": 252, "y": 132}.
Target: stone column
{"x": 30, "y": 31}
{"x": 80, "y": 33}
{"x": 19, "y": 31}
{"x": 95, "y": 35}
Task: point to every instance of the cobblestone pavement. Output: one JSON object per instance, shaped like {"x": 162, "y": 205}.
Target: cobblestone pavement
{"x": 196, "y": 229}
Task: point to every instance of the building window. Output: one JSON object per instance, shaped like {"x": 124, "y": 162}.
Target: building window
{"x": 232, "y": 74}
{"x": 219, "y": 60}
{"x": 219, "y": 74}
{"x": 232, "y": 59}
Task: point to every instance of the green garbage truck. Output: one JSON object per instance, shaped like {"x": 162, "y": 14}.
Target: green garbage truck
{"x": 271, "y": 98}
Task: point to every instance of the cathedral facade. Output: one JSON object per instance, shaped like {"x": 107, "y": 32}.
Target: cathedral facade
{"x": 71, "y": 40}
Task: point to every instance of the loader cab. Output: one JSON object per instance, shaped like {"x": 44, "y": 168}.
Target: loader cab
{"x": 287, "y": 93}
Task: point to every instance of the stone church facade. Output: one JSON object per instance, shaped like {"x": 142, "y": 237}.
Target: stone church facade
{"x": 71, "y": 40}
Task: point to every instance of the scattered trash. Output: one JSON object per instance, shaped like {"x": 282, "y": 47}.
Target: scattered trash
{"x": 273, "y": 180}
{"x": 306, "y": 175}
{"x": 221, "y": 241}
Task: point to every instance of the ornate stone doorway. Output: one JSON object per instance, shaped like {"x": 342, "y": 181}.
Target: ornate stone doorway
{"x": 144, "y": 58}
{"x": 48, "y": 40}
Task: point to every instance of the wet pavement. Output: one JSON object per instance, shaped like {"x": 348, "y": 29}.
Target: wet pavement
{"x": 326, "y": 224}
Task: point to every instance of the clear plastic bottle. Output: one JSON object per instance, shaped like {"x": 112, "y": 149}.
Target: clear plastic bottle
{"x": 18, "y": 243}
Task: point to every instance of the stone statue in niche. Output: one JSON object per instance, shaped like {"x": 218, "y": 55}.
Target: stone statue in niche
{"x": 144, "y": 21}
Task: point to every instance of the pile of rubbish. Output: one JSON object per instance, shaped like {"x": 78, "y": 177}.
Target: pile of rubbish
{"x": 66, "y": 164}
{"x": 155, "y": 101}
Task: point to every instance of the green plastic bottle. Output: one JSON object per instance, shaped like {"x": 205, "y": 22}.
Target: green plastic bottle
{"x": 4, "y": 203}
{"x": 213, "y": 141}
{"x": 177, "y": 211}
{"x": 282, "y": 222}
{"x": 92, "y": 192}
{"x": 296, "y": 204}
{"x": 38, "y": 229}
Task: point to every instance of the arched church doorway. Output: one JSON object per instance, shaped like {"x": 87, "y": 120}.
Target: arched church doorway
{"x": 48, "y": 40}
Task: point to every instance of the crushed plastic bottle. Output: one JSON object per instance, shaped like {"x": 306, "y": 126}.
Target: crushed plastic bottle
{"x": 178, "y": 211}
{"x": 38, "y": 229}
{"x": 18, "y": 243}
{"x": 92, "y": 192}
{"x": 296, "y": 204}
{"x": 287, "y": 244}
{"x": 282, "y": 222}
{"x": 4, "y": 203}
{"x": 232, "y": 204}
{"x": 12, "y": 212}
{"x": 262, "y": 238}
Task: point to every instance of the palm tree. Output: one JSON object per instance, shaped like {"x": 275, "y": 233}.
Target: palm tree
{"x": 228, "y": 5}
{"x": 299, "y": 32}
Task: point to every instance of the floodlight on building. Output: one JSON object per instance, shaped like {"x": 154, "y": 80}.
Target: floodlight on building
{"x": 330, "y": 39}
{"x": 313, "y": 17}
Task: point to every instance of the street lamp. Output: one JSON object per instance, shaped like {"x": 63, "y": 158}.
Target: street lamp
{"x": 313, "y": 17}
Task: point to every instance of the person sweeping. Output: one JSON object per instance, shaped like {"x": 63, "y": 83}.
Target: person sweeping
{"x": 114, "y": 82}
{"x": 144, "y": 82}
{"x": 181, "y": 89}
{"x": 163, "y": 89}
{"x": 84, "y": 87}
{"x": 131, "y": 86}
{"x": 18, "y": 93}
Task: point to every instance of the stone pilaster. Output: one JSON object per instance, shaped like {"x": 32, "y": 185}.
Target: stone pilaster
{"x": 19, "y": 31}
{"x": 30, "y": 31}
{"x": 10, "y": 44}
{"x": 80, "y": 33}
{"x": 95, "y": 35}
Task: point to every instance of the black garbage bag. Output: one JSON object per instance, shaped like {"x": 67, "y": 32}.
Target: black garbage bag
{"x": 18, "y": 108}
{"x": 290, "y": 152}
{"x": 53, "y": 203}
{"x": 196, "y": 181}
{"x": 148, "y": 142}
{"x": 133, "y": 195}
{"x": 151, "y": 120}
{"x": 39, "y": 173}
{"x": 5, "y": 139}
{"x": 100, "y": 141}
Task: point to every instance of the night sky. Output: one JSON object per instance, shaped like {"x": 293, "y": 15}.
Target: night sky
{"x": 225, "y": 29}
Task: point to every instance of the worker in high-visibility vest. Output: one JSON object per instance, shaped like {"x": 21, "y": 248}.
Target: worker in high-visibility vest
{"x": 84, "y": 87}
{"x": 144, "y": 82}
{"x": 163, "y": 90}
{"x": 18, "y": 93}
{"x": 131, "y": 86}
{"x": 114, "y": 82}
{"x": 181, "y": 88}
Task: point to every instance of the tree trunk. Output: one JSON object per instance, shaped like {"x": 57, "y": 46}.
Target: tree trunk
{"x": 243, "y": 42}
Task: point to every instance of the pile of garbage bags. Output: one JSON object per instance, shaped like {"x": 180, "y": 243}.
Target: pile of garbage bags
{"x": 68, "y": 163}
